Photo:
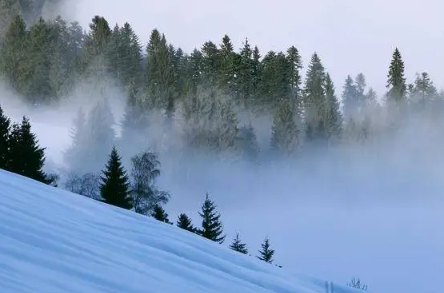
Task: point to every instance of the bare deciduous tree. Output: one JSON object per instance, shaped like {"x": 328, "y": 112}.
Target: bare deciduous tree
{"x": 144, "y": 192}
{"x": 86, "y": 185}
{"x": 356, "y": 283}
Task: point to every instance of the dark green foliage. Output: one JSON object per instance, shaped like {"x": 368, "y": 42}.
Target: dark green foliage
{"x": 5, "y": 128}
{"x": 204, "y": 93}
{"x": 114, "y": 187}
{"x": 184, "y": 222}
{"x": 285, "y": 133}
{"x": 395, "y": 78}
{"x": 26, "y": 157}
{"x": 315, "y": 100}
{"x": 159, "y": 214}
{"x": 238, "y": 246}
{"x": 212, "y": 227}
{"x": 333, "y": 116}
{"x": 266, "y": 253}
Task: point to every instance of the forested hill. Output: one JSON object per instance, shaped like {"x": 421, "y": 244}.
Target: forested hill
{"x": 210, "y": 88}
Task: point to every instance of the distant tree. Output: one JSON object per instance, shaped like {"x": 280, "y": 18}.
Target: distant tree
{"x": 238, "y": 246}
{"x": 87, "y": 185}
{"x": 356, "y": 283}
{"x": 247, "y": 143}
{"x": 5, "y": 128}
{"x": 284, "y": 131}
{"x": 212, "y": 227}
{"x": 184, "y": 222}
{"x": 114, "y": 187}
{"x": 333, "y": 116}
{"x": 14, "y": 55}
{"x": 395, "y": 78}
{"x": 144, "y": 192}
{"x": 315, "y": 100}
{"x": 27, "y": 158}
{"x": 266, "y": 254}
{"x": 159, "y": 214}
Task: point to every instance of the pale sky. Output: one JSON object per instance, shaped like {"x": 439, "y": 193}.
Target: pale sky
{"x": 350, "y": 36}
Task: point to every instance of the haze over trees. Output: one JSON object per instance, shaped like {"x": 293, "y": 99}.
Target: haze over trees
{"x": 209, "y": 96}
{"x": 206, "y": 100}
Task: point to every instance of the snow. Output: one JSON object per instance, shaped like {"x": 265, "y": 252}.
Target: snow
{"x": 56, "y": 241}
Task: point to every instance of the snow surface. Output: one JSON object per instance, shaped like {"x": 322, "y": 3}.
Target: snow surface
{"x": 56, "y": 241}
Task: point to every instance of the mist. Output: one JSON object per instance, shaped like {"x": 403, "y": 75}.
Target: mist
{"x": 373, "y": 211}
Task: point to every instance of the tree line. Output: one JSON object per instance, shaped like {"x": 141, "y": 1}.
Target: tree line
{"x": 210, "y": 88}
{"x": 20, "y": 153}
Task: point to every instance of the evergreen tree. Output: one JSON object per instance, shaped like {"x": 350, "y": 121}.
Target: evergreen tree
{"x": 27, "y": 158}
{"x": 238, "y": 246}
{"x": 422, "y": 91}
{"x": 5, "y": 128}
{"x": 395, "y": 78}
{"x": 333, "y": 115}
{"x": 114, "y": 187}
{"x": 350, "y": 99}
{"x": 14, "y": 55}
{"x": 211, "y": 225}
{"x": 184, "y": 222}
{"x": 160, "y": 214}
{"x": 285, "y": 134}
{"x": 266, "y": 254}
{"x": 315, "y": 100}
{"x": 248, "y": 144}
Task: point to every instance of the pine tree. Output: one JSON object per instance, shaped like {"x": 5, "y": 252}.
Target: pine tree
{"x": 266, "y": 254}
{"x": 314, "y": 99}
{"x": 247, "y": 143}
{"x": 5, "y": 128}
{"x": 184, "y": 222}
{"x": 26, "y": 156}
{"x": 422, "y": 91}
{"x": 333, "y": 115}
{"x": 395, "y": 78}
{"x": 160, "y": 214}
{"x": 212, "y": 227}
{"x": 238, "y": 246}
{"x": 14, "y": 56}
{"x": 285, "y": 134}
{"x": 114, "y": 187}
{"x": 350, "y": 99}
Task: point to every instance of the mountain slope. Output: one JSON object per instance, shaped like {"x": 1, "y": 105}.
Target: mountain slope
{"x": 56, "y": 241}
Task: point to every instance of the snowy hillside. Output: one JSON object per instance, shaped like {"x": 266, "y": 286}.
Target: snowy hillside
{"x": 55, "y": 241}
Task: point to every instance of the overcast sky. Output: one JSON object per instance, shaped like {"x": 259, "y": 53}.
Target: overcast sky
{"x": 350, "y": 36}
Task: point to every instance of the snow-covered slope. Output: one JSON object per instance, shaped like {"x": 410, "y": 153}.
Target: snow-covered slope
{"x": 56, "y": 241}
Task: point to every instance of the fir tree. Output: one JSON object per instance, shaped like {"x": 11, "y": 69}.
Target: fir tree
{"x": 212, "y": 227}
{"x": 247, "y": 143}
{"x": 314, "y": 99}
{"x": 238, "y": 246}
{"x": 350, "y": 99}
{"x": 5, "y": 128}
{"x": 160, "y": 214}
{"x": 285, "y": 134}
{"x": 26, "y": 156}
{"x": 184, "y": 222}
{"x": 395, "y": 78}
{"x": 266, "y": 254}
{"x": 333, "y": 115}
{"x": 114, "y": 187}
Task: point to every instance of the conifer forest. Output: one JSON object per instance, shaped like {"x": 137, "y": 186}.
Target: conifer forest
{"x": 218, "y": 102}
